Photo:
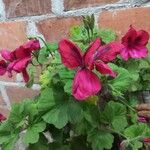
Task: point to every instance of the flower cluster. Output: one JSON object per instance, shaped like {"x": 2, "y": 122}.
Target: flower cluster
{"x": 105, "y": 78}
{"x": 143, "y": 120}
{"x": 86, "y": 83}
{"x": 18, "y": 59}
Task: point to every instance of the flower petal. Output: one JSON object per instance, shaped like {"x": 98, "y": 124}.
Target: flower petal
{"x": 142, "y": 38}
{"x": 25, "y": 75}
{"x": 21, "y": 53}
{"x": 70, "y": 54}
{"x": 26, "y": 49}
{"x": 89, "y": 54}
{"x": 129, "y": 37}
{"x": 85, "y": 84}
{"x": 2, "y": 118}
{"x": 109, "y": 51}
{"x": 146, "y": 140}
{"x": 19, "y": 65}
{"x": 32, "y": 45}
{"x": 104, "y": 69}
{"x": 143, "y": 120}
{"x": 3, "y": 67}
{"x": 125, "y": 54}
{"x": 138, "y": 52}
{"x": 7, "y": 55}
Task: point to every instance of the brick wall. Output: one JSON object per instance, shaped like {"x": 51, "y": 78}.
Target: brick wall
{"x": 52, "y": 19}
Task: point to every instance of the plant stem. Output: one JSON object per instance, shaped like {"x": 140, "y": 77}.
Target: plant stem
{"x": 37, "y": 59}
{"x": 45, "y": 45}
{"x": 117, "y": 132}
{"x": 131, "y": 108}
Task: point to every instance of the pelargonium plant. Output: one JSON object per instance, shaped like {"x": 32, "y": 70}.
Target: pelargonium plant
{"x": 90, "y": 85}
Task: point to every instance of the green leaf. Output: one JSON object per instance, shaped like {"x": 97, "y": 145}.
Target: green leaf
{"x": 30, "y": 109}
{"x": 122, "y": 81}
{"x": 143, "y": 64}
{"x": 136, "y": 130}
{"x": 16, "y": 114}
{"x": 115, "y": 114}
{"x": 75, "y": 112}
{"x": 20, "y": 111}
{"x": 137, "y": 145}
{"x": 46, "y": 100}
{"x": 57, "y": 116}
{"x": 82, "y": 127}
{"x": 146, "y": 77}
{"x": 46, "y": 76}
{"x": 100, "y": 140}
{"x": 32, "y": 133}
{"x": 133, "y": 67}
{"x": 61, "y": 113}
{"x": 107, "y": 35}
{"x": 56, "y": 59}
{"x": 76, "y": 32}
{"x": 5, "y": 132}
{"x": 52, "y": 47}
{"x": 68, "y": 87}
{"x": 42, "y": 144}
{"x": 51, "y": 96}
{"x": 79, "y": 35}
{"x": 92, "y": 22}
{"x": 10, "y": 144}
{"x": 66, "y": 74}
{"x": 43, "y": 55}
{"x": 8, "y": 135}
{"x": 91, "y": 114}
{"x": 135, "y": 134}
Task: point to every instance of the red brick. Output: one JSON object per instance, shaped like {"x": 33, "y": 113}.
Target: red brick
{"x": 15, "y": 8}
{"x": 1, "y": 101}
{"x": 4, "y": 111}
{"x": 7, "y": 79}
{"x": 75, "y": 4}
{"x": 17, "y": 94}
{"x": 120, "y": 20}
{"x": 12, "y": 34}
{"x": 56, "y": 28}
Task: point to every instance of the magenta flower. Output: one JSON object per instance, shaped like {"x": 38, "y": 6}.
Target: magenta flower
{"x": 2, "y": 118}
{"x": 3, "y": 67}
{"x": 135, "y": 44}
{"x": 143, "y": 120}
{"x": 19, "y": 58}
{"x": 86, "y": 83}
{"x": 146, "y": 140}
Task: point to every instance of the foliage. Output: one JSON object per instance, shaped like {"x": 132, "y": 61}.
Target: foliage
{"x": 56, "y": 120}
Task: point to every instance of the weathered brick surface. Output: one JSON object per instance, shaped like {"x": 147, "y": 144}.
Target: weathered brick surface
{"x": 17, "y": 94}
{"x": 55, "y": 29}
{"x": 120, "y": 20}
{"x": 12, "y": 34}
{"x": 4, "y": 111}
{"x": 1, "y": 101}
{"x": 17, "y": 8}
{"x": 7, "y": 79}
{"x": 75, "y": 4}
